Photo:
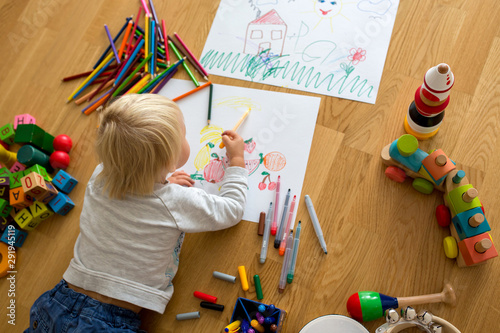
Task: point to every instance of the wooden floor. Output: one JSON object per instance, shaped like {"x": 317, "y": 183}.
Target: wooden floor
{"x": 381, "y": 236}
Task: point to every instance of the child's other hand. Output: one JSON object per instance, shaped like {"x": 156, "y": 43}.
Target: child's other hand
{"x": 234, "y": 148}
{"x": 181, "y": 178}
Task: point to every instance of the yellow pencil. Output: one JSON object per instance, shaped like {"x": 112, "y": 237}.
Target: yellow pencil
{"x": 104, "y": 62}
{"x": 146, "y": 41}
{"x": 243, "y": 117}
{"x": 142, "y": 82}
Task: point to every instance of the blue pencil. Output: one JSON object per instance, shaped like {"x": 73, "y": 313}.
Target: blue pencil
{"x": 112, "y": 44}
{"x": 153, "y": 47}
{"x": 94, "y": 77}
{"x": 130, "y": 60}
{"x": 114, "y": 40}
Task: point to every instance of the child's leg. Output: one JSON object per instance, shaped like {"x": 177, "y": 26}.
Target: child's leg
{"x": 64, "y": 310}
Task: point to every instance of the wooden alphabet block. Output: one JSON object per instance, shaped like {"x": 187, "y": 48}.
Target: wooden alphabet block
{"x": 4, "y": 222}
{"x": 5, "y": 208}
{"x": 7, "y": 134}
{"x": 23, "y": 119}
{"x": 15, "y": 236}
{"x": 33, "y": 185}
{"x": 41, "y": 171}
{"x": 40, "y": 211}
{"x": 16, "y": 167}
{"x": 18, "y": 199}
{"x": 64, "y": 181}
{"x": 5, "y": 188}
{"x": 61, "y": 204}
{"x": 49, "y": 195}
{"x": 25, "y": 220}
{"x": 4, "y": 172}
{"x": 15, "y": 179}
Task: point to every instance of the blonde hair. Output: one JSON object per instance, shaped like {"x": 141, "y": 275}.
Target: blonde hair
{"x": 139, "y": 136}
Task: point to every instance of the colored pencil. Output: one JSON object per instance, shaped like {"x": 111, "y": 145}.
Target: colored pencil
{"x": 114, "y": 40}
{"x": 161, "y": 76}
{"x": 124, "y": 41}
{"x": 192, "y": 91}
{"x": 155, "y": 18}
{"x": 112, "y": 44}
{"x": 97, "y": 102}
{"x": 127, "y": 80}
{"x": 200, "y": 67}
{"x": 186, "y": 54}
{"x": 95, "y": 77}
{"x": 94, "y": 72}
{"x": 165, "y": 42}
{"x": 132, "y": 83}
{"x": 152, "y": 32}
{"x": 146, "y": 39}
{"x": 163, "y": 82}
{"x": 132, "y": 35}
{"x": 86, "y": 97}
{"x": 238, "y": 125}
{"x": 108, "y": 78}
{"x": 161, "y": 51}
{"x": 139, "y": 84}
{"x": 130, "y": 59}
{"x": 118, "y": 83}
{"x": 210, "y": 104}
{"x": 145, "y": 6}
{"x": 196, "y": 83}
{"x": 79, "y": 75}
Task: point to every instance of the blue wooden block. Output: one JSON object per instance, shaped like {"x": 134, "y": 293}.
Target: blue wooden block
{"x": 13, "y": 235}
{"x": 61, "y": 204}
{"x": 464, "y": 230}
{"x": 64, "y": 182}
{"x": 412, "y": 162}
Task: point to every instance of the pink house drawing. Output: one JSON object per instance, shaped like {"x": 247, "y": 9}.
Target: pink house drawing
{"x": 266, "y": 34}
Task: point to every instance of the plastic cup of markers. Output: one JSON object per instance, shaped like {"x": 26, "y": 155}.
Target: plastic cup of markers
{"x": 246, "y": 309}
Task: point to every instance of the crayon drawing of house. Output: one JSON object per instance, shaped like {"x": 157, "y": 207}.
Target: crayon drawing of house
{"x": 266, "y": 35}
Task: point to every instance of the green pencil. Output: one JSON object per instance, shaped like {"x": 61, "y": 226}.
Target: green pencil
{"x": 210, "y": 104}
{"x": 177, "y": 54}
{"x": 127, "y": 80}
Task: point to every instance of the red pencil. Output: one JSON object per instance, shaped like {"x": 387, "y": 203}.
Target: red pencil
{"x": 132, "y": 35}
{"x": 203, "y": 71}
{"x": 166, "y": 42}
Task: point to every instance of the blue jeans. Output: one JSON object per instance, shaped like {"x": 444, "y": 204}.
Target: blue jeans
{"x": 64, "y": 310}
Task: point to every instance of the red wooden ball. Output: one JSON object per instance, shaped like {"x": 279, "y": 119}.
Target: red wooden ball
{"x": 59, "y": 160}
{"x": 62, "y": 142}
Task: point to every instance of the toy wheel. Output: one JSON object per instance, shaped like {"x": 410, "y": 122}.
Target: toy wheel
{"x": 423, "y": 185}
{"x": 396, "y": 174}
{"x": 450, "y": 247}
{"x": 443, "y": 216}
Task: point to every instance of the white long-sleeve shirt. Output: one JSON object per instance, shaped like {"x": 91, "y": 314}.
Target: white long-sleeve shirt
{"x": 129, "y": 249}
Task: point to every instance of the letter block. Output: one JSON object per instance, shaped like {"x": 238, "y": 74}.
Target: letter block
{"x": 23, "y": 119}
{"x": 16, "y": 167}
{"x": 64, "y": 181}
{"x": 4, "y": 188}
{"x": 40, "y": 211}
{"x": 61, "y": 204}
{"x": 41, "y": 171}
{"x": 50, "y": 194}
{"x": 5, "y": 208}
{"x": 33, "y": 185}
{"x": 5, "y": 221}
{"x": 25, "y": 220}
{"x": 7, "y": 134}
{"x": 30, "y": 133}
{"x": 4, "y": 172}
{"x": 18, "y": 199}
{"x": 15, "y": 179}
{"x": 18, "y": 236}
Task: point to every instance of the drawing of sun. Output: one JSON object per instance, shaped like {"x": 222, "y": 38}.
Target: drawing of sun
{"x": 326, "y": 10}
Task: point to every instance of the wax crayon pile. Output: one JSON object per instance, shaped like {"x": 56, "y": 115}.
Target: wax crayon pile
{"x": 29, "y": 191}
{"x": 137, "y": 60}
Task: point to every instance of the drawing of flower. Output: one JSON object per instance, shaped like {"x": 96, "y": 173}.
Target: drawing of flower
{"x": 357, "y": 55}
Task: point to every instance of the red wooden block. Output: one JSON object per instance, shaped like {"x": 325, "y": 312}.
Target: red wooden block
{"x": 468, "y": 251}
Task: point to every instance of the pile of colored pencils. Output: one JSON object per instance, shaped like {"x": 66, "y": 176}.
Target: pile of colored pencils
{"x": 141, "y": 64}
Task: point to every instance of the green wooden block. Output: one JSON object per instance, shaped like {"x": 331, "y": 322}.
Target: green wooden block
{"x": 457, "y": 204}
{"x": 30, "y": 133}
{"x": 39, "y": 170}
{"x": 5, "y": 208}
{"x": 47, "y": 146}
{"x": 15, "y": 179}
{"x": 7, "y": 134}
{"x": 4, "y": 172}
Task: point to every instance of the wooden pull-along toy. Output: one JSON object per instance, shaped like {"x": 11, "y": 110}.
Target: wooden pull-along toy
{"x": 370, "y": 305}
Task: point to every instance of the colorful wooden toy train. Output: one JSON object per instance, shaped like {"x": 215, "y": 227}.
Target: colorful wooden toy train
{"x": 470, "y": 243}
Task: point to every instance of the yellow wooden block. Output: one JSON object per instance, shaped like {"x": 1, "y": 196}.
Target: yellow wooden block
{"x": 24, "y": 219}
{"x": 33, "y": 184}
{"x": 40, "y": 211}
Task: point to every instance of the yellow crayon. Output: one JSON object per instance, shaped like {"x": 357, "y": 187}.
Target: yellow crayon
{"x": 243, "y": 277}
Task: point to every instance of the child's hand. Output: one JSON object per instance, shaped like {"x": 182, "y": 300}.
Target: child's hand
{"x": 234, "y": 148}
{"x": 181, "y": 178}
